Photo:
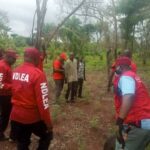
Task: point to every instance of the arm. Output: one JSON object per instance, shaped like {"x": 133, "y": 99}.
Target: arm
{"x": 5, "y": 74}
{"x": 41, "y": 92}
{"x": 57, "y": 68}
{"x": 127, "y": 87}
{"x": 66, "y": 70}
{"x": 127, "y": 102}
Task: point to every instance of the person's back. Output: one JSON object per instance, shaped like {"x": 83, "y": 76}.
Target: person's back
{"x": 26, "y": 80}
{"x": 30, "y": 111}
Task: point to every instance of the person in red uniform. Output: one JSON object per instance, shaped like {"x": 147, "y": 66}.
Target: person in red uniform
{"x": 133, "y": 66}
{"x": 5, "y": 89}
{"x": 132, "y": 106}
{"x": 59, "y": 74}
{"x": 30, "y": 106}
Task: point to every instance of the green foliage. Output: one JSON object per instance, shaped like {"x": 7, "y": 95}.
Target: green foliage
{"x": 95, "y": 62}
{"x": 76, "y": 36}
{"x": 81, "y": 143}
{"x": 3, "y": 22}
{"x": 56, "y": 112}
{"x": 148, "y": 148}
{"x": 19, "y": 41}
{"x": 6, "y": 42}
{"x": 134, "y": 12}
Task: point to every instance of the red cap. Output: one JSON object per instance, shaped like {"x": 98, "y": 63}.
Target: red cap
{"x": 63, "y": 56}
{"x": 11, "y": 53}
{"x": 31, "y": 52}
{"x": 123, "y": 61}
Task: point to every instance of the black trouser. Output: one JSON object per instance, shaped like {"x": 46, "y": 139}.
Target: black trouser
{"x": 58, "y": 87}
{"x": 80, "y": 86}
{"x": 75, "y": 88}
{"x": 23, "y": 133}
{"x": 70, "y": 90}
{"x": 5, "y": 109}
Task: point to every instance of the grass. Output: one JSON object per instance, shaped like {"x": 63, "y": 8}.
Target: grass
{"x": 56, "y": 109}
{"x": 81, "y": 143}
{"x": 148, "y": 148}
{"x": 94, "y": 122}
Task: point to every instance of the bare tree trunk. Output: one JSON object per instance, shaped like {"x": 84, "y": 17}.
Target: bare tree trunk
{"x": 32, "y": 32}
{"x": 62, "y": 23}
{"x": 41, "y": 11}
{"x": 115, "y": 29}
{"x": 132, "y": 46}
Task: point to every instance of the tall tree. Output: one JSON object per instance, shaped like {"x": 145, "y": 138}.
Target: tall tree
{"x": 41, "y": 7}
{"x": 133, "y": 11}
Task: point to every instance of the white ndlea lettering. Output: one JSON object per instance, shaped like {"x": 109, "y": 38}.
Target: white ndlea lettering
{"x": 44, "y": 91}
{"x": 1, "y": 77}
{"x": 21, "y": 76}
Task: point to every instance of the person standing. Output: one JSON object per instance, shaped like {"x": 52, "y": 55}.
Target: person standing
{"x": 81, "y": 76}
{"x": 71, "y": 78}
{"x": 126, "y": 53}
{"x": 30, "y": 103}
{"x": 5, "y": 89}
{"x": 59, "y": 74}
{"x": 132, "y": 106}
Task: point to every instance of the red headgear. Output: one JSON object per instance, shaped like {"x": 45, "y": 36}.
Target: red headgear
{"x": 31, "y": 52}
{"x": 123, "y": 61}
{"x": 63, "y": 56}
{"x": 11, "y": 53}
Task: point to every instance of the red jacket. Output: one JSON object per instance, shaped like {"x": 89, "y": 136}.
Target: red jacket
{"x": 5, "y": 77}
{"x": 30, "y": 95}
{"x": 141, "y": 106}
{"x": 57, "y": 64}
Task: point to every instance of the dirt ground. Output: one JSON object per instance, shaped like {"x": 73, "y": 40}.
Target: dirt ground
{"x": 83, "y": 125}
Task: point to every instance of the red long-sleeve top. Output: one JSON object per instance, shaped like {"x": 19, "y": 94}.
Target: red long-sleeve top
{"x": 29, "y": 95}
{"x": 5, "y": 78}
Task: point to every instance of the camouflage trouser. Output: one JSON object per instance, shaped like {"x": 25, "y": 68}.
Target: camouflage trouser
{"x": 138, "y": 139}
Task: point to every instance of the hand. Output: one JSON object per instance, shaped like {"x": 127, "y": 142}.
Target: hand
{"x": 49, "y": 128}
{"x": 1, "y": 85}
{"x": 51, "y": 135}
{"x": 119, "y": 132}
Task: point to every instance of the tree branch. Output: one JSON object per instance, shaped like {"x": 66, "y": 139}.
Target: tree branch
{"x": 65, "y": 19}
